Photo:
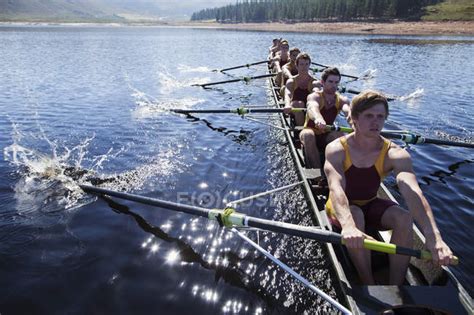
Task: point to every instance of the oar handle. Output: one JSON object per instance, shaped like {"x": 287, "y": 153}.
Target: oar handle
{"x": 339, "y": 128}
{"x": 394, "y": 249}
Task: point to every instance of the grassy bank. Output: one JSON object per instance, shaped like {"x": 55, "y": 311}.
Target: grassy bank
{"x": 450, "y": 10}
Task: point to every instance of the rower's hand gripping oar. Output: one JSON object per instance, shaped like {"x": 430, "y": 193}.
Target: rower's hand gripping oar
{"x": 229, "y": 218}
{"x": 241, "y": 111}
{"x": 408, "y": 138}
{"x": 245, "y": 79}
{"x": 241, "y": 66}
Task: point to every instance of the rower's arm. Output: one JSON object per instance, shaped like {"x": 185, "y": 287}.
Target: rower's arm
{"x": 418, "y": 205}
{"x": 346, "y": 109}
{"x": 346, "y": 106}
{"x": 334, "y": 170}
{"x": 288, "y": 92}
{"x": 411, "y": 191}
{"x": 313, "y": 111}
{"x": 286, "y": 71}
{"x": 277, "y": 66}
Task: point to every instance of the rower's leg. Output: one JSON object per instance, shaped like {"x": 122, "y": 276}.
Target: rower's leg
{"x": 400, "y": 222}
{"x": 279, "y": 79}
{"x": 299, "y": 116}
{"x": 361, "y": 257}
{"x": 308, "y": 138}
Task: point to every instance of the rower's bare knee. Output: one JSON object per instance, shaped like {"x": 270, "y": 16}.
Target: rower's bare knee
{"x": 397, "y": 219}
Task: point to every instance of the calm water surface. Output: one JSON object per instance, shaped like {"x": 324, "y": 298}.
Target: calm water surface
{"x": 95, "y": 98}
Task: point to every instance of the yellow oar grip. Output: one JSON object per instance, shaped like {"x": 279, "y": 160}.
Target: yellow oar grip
{"x": 380, "y": 246}
{"x": 393, "y": 249}
{"x": 294, "y": 110}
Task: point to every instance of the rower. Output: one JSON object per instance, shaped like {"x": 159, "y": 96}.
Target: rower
{"x": 323, "y": 108}
{"x": 282, "y": 57}
{"x": 299, "y": 87}
{"x": 272, "y": 50}
{"x": 289, "y": 69}
{"x": 355, "y": 166}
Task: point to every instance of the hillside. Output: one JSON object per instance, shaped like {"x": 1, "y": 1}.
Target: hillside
{"x": 101, "y": 10}
{"x": 54, "y": 10}
{"x": 450, "y": 10}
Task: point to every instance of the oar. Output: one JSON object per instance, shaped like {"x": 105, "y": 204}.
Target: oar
{"x": 242, "y": 66}
{"x": 229, "y": 218}
{"x": 343, "y": 89}
{"x": 246, "y": 79}
{"x": 409, "y": 138}
{"x": 319, "y": 65}
{"x": 325, "y": 67}
{"x": 240, "y": 111}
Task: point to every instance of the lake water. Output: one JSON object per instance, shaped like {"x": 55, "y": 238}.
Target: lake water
{"x": 95, "y": 98}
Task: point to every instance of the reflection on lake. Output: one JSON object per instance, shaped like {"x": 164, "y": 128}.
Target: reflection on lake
{"x": 85, "y": 104}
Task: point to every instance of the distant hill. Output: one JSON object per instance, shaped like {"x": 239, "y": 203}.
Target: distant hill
{"x": 101, "y": 10}
{"x": 53, "y": 10}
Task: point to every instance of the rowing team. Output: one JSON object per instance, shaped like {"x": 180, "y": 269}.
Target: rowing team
{"x": 356, "y": 164}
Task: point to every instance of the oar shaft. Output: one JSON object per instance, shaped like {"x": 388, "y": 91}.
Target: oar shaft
{"x": 319, "y": 65}
{"x": 202, "y": 212}
{"x": 240, "y": 111}
{"x": 242, "y": 220}
{"x": 237, "y": 219}
{"x": 219, "y": 82}
{"x": 297, "y": 276}
{"x": 416, "y": 139}
{"x": 203, "y": 111}
{"x": 343, "y": 89}
{"x": 342, "y": 74}
{"x": 246, "y": 79}
{"x": 243, "y": 66}
{"x": 450, "y": 143}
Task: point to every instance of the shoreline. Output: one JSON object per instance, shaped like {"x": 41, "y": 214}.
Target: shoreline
{"x": 453, "y": 28}
{"x": 450, "y": 28}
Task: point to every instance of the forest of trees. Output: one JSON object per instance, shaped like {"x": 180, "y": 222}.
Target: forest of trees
{"x": 314, "y": 10}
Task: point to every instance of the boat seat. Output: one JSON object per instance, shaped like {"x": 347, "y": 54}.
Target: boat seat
{"x": 312, "y": 173}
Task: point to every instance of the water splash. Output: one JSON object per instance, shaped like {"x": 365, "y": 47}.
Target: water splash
{"x": 346, "y": 67}
{"x": 368, "y": 74}
{"x": 150, "y": 107}
{"x": 419, "y": 92}
{"x": 186, "y": 68}
{"x": 44, "y": 184}
{"x": 49, "y": 179}
{"x": 169, "y": 83}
